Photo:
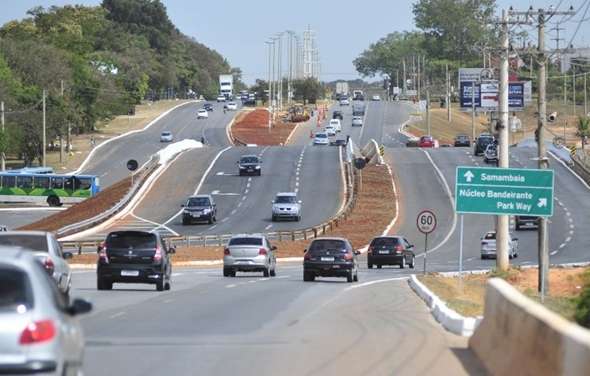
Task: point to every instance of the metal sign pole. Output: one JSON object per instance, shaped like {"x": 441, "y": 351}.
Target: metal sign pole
{"x": 461, "y": 248}
{"x": 425, "y": 250}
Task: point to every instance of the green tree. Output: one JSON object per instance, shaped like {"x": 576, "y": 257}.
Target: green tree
{"x": 583, "y": 128}
{"x": 308, "y": 90}
{"x": 455, "y": 29}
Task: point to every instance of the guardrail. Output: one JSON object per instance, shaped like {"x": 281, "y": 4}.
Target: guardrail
{"x": 219, "y": 240}
{"x": 580, "y": 165}
{"x": 139, "y": 178}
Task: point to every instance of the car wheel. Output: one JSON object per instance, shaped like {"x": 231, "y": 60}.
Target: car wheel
{"x": 259, "y": 173}
{"x": 413, "y": 264}
{"x": 185, "y": 221}
{"x": 273, "y": 272}
{"x": 210, "y": 221}
{"x": 298, "y": 219}
{"x": 403, "y": 264}
{"x": 167, "y": 286}
{"x": 517, "y": 228}
{"x": 266, "y": 273}
{"x": 226, "y": 272}
{"x": 483, "y": 257}
{"x": 308, "y": 277}
{"x": 274, "y": 218}
{"x": 370, "y": 266}
{"x": 232, "y": 273}
{"x": 379, "y": 266}
{"x": 349, "y": 277}
{"x": 356, "y": 276}
{"x": 160, "y": 285}
{"x": 102, "y": 284}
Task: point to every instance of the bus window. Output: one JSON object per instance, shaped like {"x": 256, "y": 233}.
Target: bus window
{"x": 57, "y": 183}
{"x": 70, "y": 183}
{"x": 41, "y": 182}
{"x": 24, "y": 182}
{"x": 83, "y": 183}
{"x": 8, "y": 181}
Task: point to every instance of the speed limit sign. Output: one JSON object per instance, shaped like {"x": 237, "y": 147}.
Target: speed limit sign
{"x": 426, "y": 222}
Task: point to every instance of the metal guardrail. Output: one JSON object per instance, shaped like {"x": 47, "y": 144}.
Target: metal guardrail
{"x": 220, "y": 240}
{"x": 139, "y": 178}
{"x": 581, "y": 165}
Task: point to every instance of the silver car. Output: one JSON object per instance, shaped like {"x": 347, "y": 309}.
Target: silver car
{"x": 46, "y": 248}
{"x": 39, "y": 333}
{"x": 488, "y": 246}
{"x": 166, "y": 136}
{"x": 357, "y": 121}
{"x": 249, "y": 253}
{"x": 286, "y": 206}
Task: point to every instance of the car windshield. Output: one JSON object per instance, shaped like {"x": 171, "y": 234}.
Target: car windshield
{"x": 426, "y": 138}
{"x": 385, "y": 242}
{"x": 198, "y": 201}
{"x": 321, "y": 135}
{"x": 15, "y": 289}
{"x": 37, "y": 243}
{"x": 245, "y": 241}
{"x": 131, "y": 240}
{"x": 249, "y": 160}
{"x": 490, "y": 236}
{"x": 286, "y": 200}
{"x": 327, "y": 244}
{"x": 166, "y": 133}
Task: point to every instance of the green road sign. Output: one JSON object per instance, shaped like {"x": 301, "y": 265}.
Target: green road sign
{"x": 511, "y": 191}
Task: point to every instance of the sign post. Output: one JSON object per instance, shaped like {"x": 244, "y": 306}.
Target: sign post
{"x": 426, "y": 223}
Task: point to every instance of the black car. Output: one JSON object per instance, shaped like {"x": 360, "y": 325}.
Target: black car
{"x": 198, "y": 209}
{"x": 134, "y": 257}
{"x": 482, "y": 142}
{"x": 250, "y": 165}
{"x": 330, "y": 257}
{"x": 208, "y": 107}
{"x": 337, "y": 115}
{"x": 526, "y": 221}
{"x": 462, "y": 140}
{"x": 338, "y": 142}
{"x": 390, "y": 250}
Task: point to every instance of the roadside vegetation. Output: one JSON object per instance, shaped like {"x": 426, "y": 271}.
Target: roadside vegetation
{"x": 569, "y": 291}
{"x": 94, "y": 63}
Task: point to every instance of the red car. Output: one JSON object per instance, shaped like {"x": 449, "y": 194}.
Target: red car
{"x": 426, "y": 142}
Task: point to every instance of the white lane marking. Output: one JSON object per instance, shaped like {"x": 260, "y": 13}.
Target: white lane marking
{"x": 571, "y": 232}
{"x": 552, "y": 254}
{"x": 568, "y": 213}
{"x": 450, "y": 195}
{"x": 233, "y": 212}
{"x": 296, "y": 190}
{"x": 220, "y": 173}
{"x": 239, "y": 204}
{"x": 365, "y": 284}
{"x": 201, "y": 181}
{"x": 158, "y": 225}
{"x": 118, "y": 314}
{"x": 168, "y": 300}
{"x": 246, "y": 191}
{"x": 562, "y": 245}
{"x": 248, "y": 185}
{"x": 568, "y": 239}
{"x": 572, "y": 226}
{"x": 283, "y": 277}
{"x": 244, "y": 197}
{"x": 212, "y": 227}
{"x": 267, "y": 227}
{"x": 176, "y": 274}
{"x": 230, "y": 286}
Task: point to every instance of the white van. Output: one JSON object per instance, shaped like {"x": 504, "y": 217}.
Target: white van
{"x": 335, "y": 123}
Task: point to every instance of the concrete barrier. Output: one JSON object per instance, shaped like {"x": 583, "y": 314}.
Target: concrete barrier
{"x": 521, "y": 337}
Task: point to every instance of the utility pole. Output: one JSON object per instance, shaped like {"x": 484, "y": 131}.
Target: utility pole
{"x": 502, "y": 223}
{"x": 448, "y": 93}
{"x": 61, "y": 136}
{"x": 428, "y": 111}
{"x": 269, "y": 44}
{"x": 585, "y": 96}
{"x": 2, "y": 156}
{"x": 404, "y": 75}
{"x": 418, "y": 78}
{"x": 44, "y": 129}
{"x": 574, "y": 90}
{"x": 473, "y": 111}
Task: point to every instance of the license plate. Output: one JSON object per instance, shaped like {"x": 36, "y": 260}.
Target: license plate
{"x": 383, "y": 252}
{"x": 129, "y": 273}
{"x": 327, "y": 258}
{"x": 335, "y": 266}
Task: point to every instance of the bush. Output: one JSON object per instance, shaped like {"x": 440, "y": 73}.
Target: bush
{"x": 582, "y": 314}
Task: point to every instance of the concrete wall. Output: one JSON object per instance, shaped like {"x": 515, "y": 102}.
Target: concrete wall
{"x": 520, "y": 337}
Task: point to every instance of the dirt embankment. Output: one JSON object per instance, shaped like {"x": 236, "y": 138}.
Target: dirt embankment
{"x": 252, "y": 128}
{"x": 374, "y": 210}
{"x": 89, "y": 208}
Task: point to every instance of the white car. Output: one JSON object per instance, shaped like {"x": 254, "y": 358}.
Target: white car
{"x": 202, "y": 114}
{"x": 488, "y": 246}
{"x": 376, "y": 98}
{"x": 330, "y": 130}
{"x": 286, "y": 206}
{"x": 232, "y": 106}
{"x": 321, "y": 138}
{"x": 166, "y": 136}
{"x": 357, "y": 121}
{"x": 336, "y": 124}
{"x": 221, "y": 98}
{"x": 344, "y": 102}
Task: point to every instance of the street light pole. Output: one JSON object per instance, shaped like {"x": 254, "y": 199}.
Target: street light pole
{"x": 269, "y": 44}
{"x": 44, "y": 129}
{"x": 2, "y": 157}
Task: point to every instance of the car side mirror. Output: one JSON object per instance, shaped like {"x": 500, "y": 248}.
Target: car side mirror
{"x": 411, "y": 246}
{"x": 68, "y": 255}
{"x": 305, "y": 250}
{"x": 300, "y": 202}
{"x": 79, "y": 306}
{"x": 182, "y": 205}
{"x": 274, "y": 248}
{"x": 357, "y": 252}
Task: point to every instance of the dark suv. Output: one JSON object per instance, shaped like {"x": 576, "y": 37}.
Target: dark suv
{"x": 390, "y": 250}
{"x": 250, "y": 165}
{"x": 134, "y": 257}
{"x": 330, "y": 257}
{"x": 482, "y": 142}
{"x": 526, "y": 221}
{"x": 199, "y": 208}
{"x": 337, "y": 115}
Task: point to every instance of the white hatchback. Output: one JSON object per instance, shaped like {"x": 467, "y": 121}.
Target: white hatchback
{"x": 321, "y": 138}
{"x": 232, "y": 106}
{"x": 202, "y": 114}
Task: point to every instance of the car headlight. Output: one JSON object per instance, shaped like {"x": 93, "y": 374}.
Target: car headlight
{"x": 206, "y": 211}
{"x": 258, "y": 167}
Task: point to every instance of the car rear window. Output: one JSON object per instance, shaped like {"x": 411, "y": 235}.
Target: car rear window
{"x": 490, "y": 236}
{"x": 37, "y": 243}
{"x": 322, "y": 245}
{"x": 15, "y": 289}
{"x": 131, "y": 240}
{"x": 245, "y": 241}
{"x": 385, "y": 242}
{"x": 249, "y": 160}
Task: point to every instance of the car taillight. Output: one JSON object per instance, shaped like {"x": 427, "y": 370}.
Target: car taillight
{"x": 307, "y": 256}
{"x": 37, "y": 332}
{"x": 348, "y": 256}
{"x": 158, "y": 255}
{"x": 102, "y": 253}
{"x": 226, "y": 251}
{"x": 49, "y": 266}
{"x": 370, "y": 251}
{"x": 398, "y": 248}
{"x": 262, "y": 252}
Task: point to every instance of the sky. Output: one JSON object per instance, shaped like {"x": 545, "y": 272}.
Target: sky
{"x": 238, "y": 29}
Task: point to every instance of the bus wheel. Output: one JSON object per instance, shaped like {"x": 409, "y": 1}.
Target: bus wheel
{"x": 53, "y": 201}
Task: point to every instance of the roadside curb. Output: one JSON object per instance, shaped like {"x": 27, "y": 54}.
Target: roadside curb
{"x": 448, "y": 318}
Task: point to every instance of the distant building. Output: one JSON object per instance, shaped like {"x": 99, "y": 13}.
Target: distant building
{"x": 567, "y": 57}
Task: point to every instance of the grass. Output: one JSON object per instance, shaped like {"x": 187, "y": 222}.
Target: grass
{"x": 467, "y": 297}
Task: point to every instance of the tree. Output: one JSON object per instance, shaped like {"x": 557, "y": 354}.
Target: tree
{"x": 583, "y": 128}
{"x": 455, "y": 29}
{"x": 308, "y": 90}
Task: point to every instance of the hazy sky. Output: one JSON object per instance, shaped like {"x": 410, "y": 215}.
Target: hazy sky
{"x": 238, "y": 29}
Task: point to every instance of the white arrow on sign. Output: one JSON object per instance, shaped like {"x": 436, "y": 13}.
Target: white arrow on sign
{"x": 469, "y": 176}
{"x": 542, "y": 202}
